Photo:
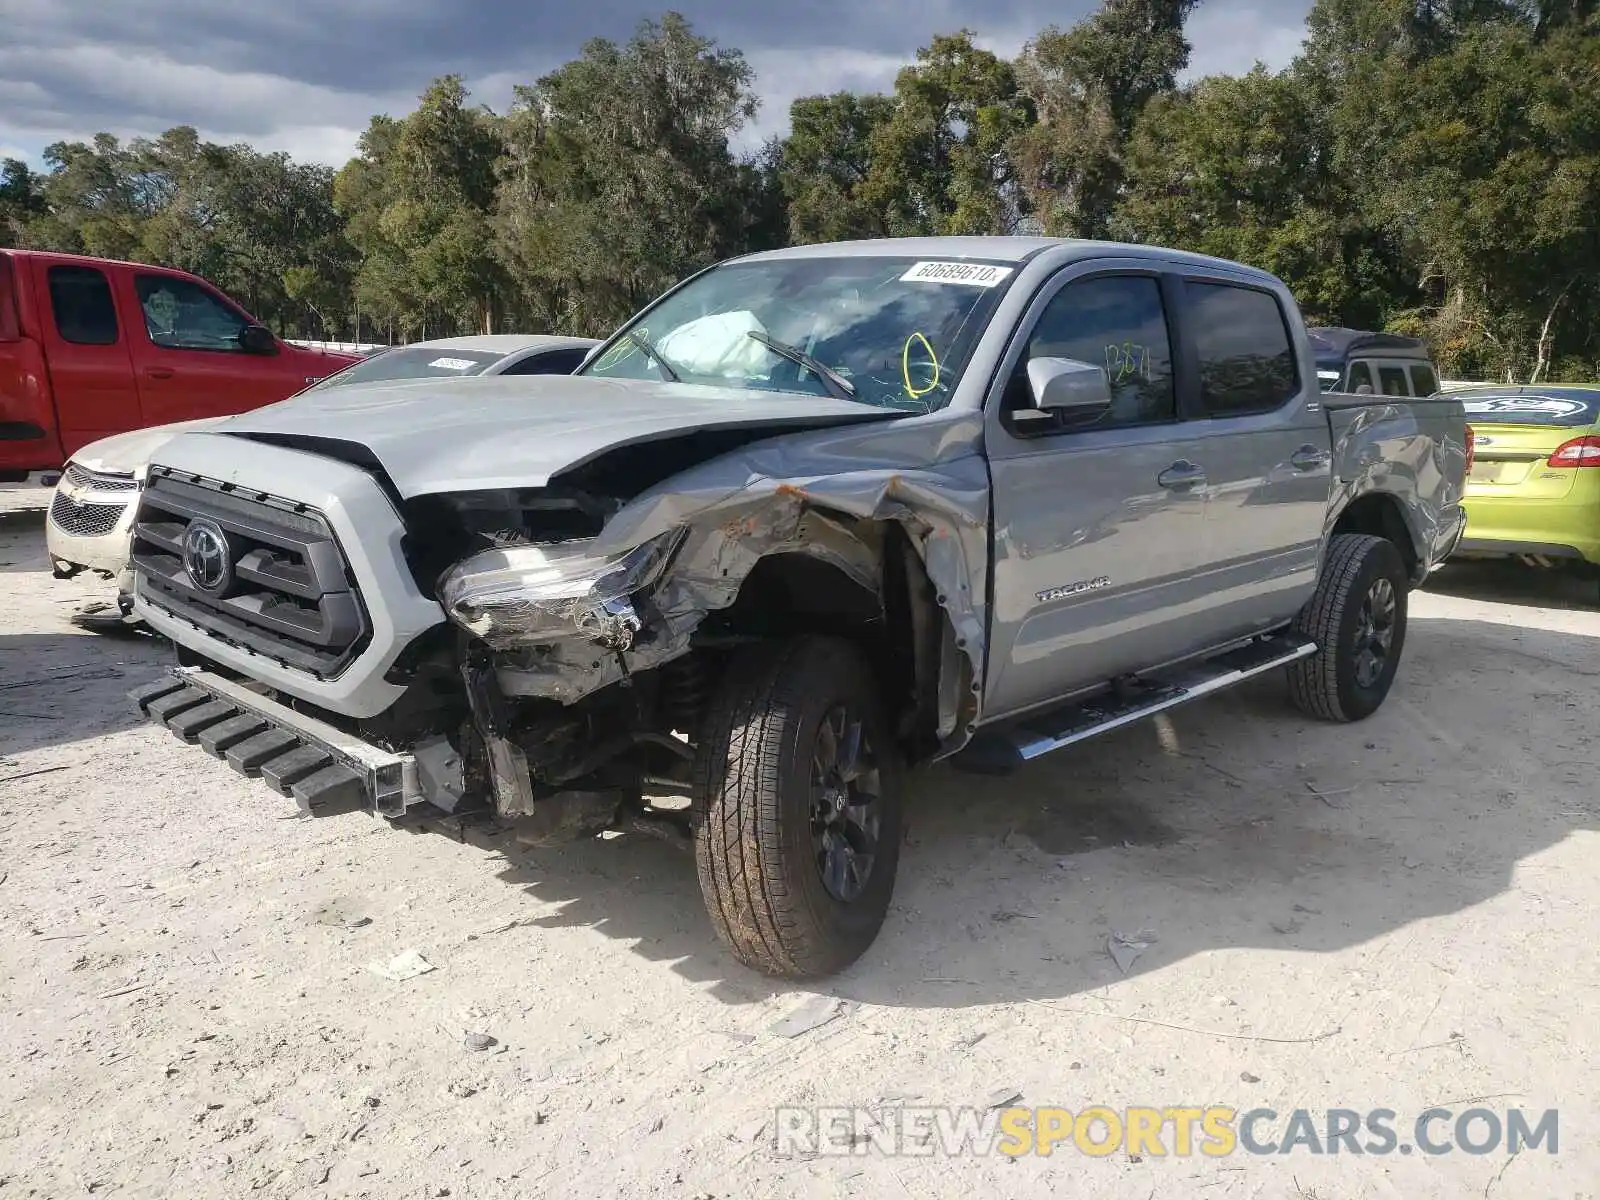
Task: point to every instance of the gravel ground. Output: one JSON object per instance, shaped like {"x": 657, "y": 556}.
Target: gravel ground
{"x": 1393, "y": 915}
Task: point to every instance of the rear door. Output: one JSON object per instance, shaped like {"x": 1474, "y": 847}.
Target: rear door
{"x": 1265, "y": 442}
{"x": 187, "y": 354}
{"x": 87, "y": 349}
{"x": 1098, "y": 529}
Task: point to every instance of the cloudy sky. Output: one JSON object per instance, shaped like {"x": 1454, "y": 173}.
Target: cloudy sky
{"x": 305, "y": 75}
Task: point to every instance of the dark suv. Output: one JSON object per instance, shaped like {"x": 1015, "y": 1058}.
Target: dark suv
{"x": 1382, "y": 364}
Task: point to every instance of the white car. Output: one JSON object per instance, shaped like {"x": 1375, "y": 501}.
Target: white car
{"x": 91, "y": 513}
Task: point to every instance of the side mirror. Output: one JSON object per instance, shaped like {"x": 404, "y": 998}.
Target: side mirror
{"x": 1077, "y": 390}
{"x": 257, "y": 339}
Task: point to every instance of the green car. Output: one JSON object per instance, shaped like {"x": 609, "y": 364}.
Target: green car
{"x": 1533, "y": 490}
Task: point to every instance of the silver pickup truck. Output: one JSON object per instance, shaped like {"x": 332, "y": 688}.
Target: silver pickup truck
{"x": 811, "y": 518}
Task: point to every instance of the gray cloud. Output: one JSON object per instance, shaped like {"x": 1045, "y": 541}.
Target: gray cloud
{"x": 305, "y": 76}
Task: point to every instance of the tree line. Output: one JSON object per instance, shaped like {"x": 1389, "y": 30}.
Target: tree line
{"x": 1426, "y": 166}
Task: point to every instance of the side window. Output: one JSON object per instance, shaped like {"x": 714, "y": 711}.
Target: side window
{"x": 1361, "y": 377}
{"x": 1117, "y": 322}
{"x": 182, "y": 315}
{"x": 1423, "y": 381}
{"x": 552, "y": 362}
{"x": 1247, "y": 362}
{"x": 81, "y": 300}
{"x": 1393, "y": 380}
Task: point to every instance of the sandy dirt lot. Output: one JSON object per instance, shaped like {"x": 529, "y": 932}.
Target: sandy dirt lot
{"x": 1396, "y": 915}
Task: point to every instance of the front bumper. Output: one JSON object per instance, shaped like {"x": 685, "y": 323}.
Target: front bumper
{"x": 325, "y": 770}
{"x": 91, "y": 532}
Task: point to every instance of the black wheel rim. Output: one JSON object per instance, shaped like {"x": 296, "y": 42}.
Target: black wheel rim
{"x": 846, "y": 812}
{"x": 1375, "y": 632}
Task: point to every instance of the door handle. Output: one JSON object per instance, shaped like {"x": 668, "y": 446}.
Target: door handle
{"x": 1309, "y": 458}
{"x": 159, "y": 372}
{"x": 1182, "y": 475}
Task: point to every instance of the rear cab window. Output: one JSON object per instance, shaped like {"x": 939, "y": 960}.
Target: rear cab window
{"x": 1423, "y": 381}
{"x": 1247, "y": 360}
{"x": 81, "y": 304}
{"x": 1360, "y": 377}
{"x": 1392, "y": 381}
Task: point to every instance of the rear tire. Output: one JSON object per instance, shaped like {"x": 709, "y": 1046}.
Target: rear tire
{"x": 1357, "y": 617}
{"x": 798, "y": 787}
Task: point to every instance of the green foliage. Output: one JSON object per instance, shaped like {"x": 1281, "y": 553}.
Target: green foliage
{"x": 939, "y": 162}
{"x": 417, "y": 201}
{"x": 1431, "y": 166}
{"x": 824, "y": 164}
{"x": 618, "y": 179}
{"x": 1089, "y": 85}
{"x": 21, "y": 200}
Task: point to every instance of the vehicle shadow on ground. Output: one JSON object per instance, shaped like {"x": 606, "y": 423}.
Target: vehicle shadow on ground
{"x": 22, "y": 546}
{"x": 1236, "y": 823}
{"x": 59, "y": 688}
{"x": 1508, "y": 582}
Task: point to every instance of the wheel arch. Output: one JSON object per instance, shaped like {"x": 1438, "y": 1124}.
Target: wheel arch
{"x": 1382, "y": 514}
{"x": 865, "y": 580}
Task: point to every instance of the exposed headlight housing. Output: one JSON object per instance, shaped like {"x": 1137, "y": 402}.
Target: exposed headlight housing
{"x": 528, "y": 595}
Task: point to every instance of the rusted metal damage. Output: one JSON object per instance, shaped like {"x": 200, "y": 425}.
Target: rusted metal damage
{"x": 566, "y": 621}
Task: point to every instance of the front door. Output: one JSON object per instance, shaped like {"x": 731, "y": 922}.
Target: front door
{"x": 1099, "y": 530}
{"x": 187, "y": 352}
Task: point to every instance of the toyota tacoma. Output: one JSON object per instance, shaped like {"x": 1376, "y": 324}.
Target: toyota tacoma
{"x": 813, "y": 517}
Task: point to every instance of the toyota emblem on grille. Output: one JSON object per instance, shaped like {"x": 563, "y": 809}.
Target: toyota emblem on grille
{"x": 205, "y": 556}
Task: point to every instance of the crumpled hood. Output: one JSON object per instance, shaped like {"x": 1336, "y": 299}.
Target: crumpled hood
{"x": 125, "y": 453}
{"x": 458, "y": 435}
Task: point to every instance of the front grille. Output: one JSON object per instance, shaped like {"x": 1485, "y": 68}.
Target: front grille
{"x": 290, "y": 598}
{"x": 85, "y": 520}
{"x": 82, "y": 477}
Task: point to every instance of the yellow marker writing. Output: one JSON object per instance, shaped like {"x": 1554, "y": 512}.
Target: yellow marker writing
{"x": 620, "y": 351}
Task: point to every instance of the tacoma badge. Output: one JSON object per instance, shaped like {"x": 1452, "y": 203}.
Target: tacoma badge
{"x": 1074, "y": 589}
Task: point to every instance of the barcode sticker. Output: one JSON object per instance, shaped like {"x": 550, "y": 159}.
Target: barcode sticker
{"x": 968, "y": 274}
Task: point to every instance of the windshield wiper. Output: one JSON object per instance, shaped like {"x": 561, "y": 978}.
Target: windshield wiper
{"x": 838, "y": 386}
{"x": 645, "y": 344}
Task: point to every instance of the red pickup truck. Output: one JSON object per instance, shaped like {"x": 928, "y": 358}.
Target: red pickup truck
{"x": 91, "y": 347}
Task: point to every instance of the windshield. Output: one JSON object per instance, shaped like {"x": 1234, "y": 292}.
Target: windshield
{"x": 892, "y": 332}
{"x": 1563, "y": 407}
{"x": 411, "y": 362}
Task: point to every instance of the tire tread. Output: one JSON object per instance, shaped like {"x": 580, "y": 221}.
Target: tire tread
{"x": 1314, "y": 681}
{"x": 751, "y": 728}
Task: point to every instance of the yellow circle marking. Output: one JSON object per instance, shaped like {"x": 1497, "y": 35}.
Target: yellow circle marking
{"x": 905, "y": 366}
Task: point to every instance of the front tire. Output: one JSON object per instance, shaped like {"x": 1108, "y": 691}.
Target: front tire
{"x": 1357, "y": 617}
{"x": 798, "y": 786}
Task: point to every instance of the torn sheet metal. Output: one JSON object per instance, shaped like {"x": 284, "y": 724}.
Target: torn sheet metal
{"x": 792, "y": 494}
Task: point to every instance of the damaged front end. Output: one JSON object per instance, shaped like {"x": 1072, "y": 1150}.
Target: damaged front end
{"x": 588, "y": 661}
